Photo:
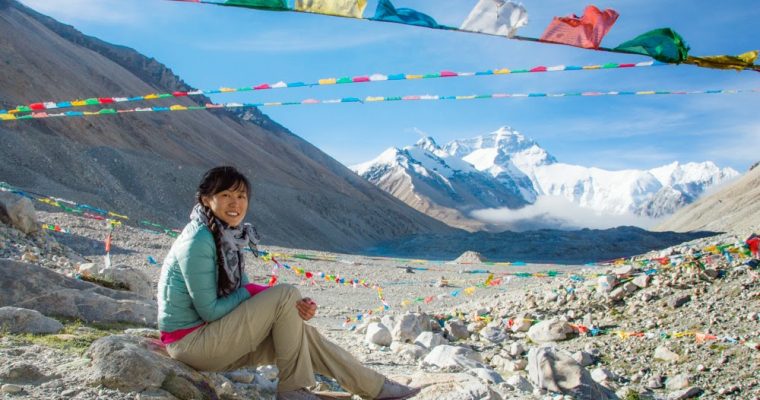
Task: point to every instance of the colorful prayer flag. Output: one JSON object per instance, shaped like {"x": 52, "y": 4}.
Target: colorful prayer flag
{"x": 344, "y": 8}
{"x": 740, "y": 62}
{"x": 662, "y": 44}
{"x": 497, "y": 17}
{"x": 586, "y": 31}
{"x": 387, "y": 12}
{"x": 277, "y": 5}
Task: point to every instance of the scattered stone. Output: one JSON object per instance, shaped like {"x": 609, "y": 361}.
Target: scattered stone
{"x": 665, "y": 354}
{"x": 516, "y": 349}
{"x": 642, "y": 280}
{"x": 378, "y": 334}
{"x": 21, "y": 372}
{"x": 602, "y": 375}
{"x": 407, "y": 328}
{"x": 676, "y": 382}
{"x": 583, "y": 358}
{"x": 11, "y": 388}
{"x": 521, "y": 324}
{"x": 655, "y": 382}
{"x": 453, "y": 358}
{"x": 679, "y": 300}
{"x": 241, "y": 376}
{"x": 606, "y": 283}
{"x": 487, "y": 375}
{"x": 493, "y": 334}
{"x": 687, "y": 393}
{"x": 456, "y": 330}
{"x": 21, "y": 320}
{"x": 551, "y": 330}
{"x": 429, "y": 340}
{"x": 624, "y": 270}
{"x": 19, "y": 212}
{"x": 520, "y": 383}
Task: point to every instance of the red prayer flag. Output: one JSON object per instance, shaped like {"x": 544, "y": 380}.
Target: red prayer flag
{"x": 105, "y": 100}
{"x": 108, "y": 243}
{"x": 586, "y": 31}
{"x": 37, "y": 106}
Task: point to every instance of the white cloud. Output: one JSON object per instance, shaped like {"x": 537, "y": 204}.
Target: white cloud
{"x": 553, "y": 212}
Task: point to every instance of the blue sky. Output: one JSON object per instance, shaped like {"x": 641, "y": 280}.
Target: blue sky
{"x": 211, "y": 46}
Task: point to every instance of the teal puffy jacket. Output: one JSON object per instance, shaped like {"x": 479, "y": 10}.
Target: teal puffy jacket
{"x": 187, "y": 287}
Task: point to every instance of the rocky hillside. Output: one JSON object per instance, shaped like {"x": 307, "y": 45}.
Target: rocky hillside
{"x": 147, "y": 166}
{"x": 735, "y": 208}
{"x": 676, "y": 323}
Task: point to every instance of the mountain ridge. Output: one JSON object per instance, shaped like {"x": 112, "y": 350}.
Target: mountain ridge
{"x": 530, "y": 173}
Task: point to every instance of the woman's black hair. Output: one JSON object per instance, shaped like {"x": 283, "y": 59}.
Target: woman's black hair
{"x": 214, "y": 181}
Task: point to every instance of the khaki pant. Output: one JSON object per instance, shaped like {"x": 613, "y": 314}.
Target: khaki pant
{"x": 266, "y": 329}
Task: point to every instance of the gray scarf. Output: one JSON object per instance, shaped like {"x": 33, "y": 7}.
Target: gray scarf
{"x": 233, "y": 241}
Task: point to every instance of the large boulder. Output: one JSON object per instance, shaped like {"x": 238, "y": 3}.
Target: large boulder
{"x": 18, "y": 212}
{"x": 38, "y": 288}
{"x": 21, "y": 320}
{"x": 555, "y": 370}
{"x": 137, "y": 281}
{"x": 136, "y": 364}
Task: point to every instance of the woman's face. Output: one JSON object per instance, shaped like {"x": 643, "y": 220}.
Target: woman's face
{"x": 229, "y": 205}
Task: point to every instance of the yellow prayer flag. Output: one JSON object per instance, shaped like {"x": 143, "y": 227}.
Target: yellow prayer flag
{"x": 150, "y": 96}
{"x": 327, "y": 81}
{"x": 178, "y": 107}
{"x": 740, "y": 62}
{"x": 343, "y": 8}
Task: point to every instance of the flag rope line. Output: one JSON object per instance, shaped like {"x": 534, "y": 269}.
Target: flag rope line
{"x": 376, "y": 77}
{"x": 365, "y": 100}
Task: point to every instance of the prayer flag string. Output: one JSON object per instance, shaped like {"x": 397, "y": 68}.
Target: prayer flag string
{"x": 366, "y": 100}
{"x": 51, "y": 105}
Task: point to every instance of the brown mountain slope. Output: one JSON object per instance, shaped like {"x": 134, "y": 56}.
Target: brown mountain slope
{"x": 734, "y": 209}
{"x": 148, "y": 165}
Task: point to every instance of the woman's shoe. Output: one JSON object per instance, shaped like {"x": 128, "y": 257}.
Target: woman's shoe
{"x": 393, "y": 390}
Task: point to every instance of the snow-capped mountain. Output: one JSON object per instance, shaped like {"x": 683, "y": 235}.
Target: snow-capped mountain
{"x": 504, "y": 169}
{"x": 439, "y": 184}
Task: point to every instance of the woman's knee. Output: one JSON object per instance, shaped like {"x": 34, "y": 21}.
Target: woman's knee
{"x": 289, "y": 291}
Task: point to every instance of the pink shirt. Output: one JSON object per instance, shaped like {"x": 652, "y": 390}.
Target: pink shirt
{"x": 174, "y": 336}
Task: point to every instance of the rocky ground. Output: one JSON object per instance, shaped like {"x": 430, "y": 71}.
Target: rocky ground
{"x": 678, "y": 323}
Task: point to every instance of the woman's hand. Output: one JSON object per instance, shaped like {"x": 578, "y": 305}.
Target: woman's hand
{"x": 306, "y": 308}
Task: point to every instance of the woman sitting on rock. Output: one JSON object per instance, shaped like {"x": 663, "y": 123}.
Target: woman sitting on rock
{"x": 213, "y": 319}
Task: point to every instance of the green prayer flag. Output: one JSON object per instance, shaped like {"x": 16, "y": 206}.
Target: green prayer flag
{"x": 663, "y": 45}
{"x": 261, "y": 4}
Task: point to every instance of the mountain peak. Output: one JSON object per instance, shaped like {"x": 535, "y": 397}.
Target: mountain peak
{"x": 427, "y": 143}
